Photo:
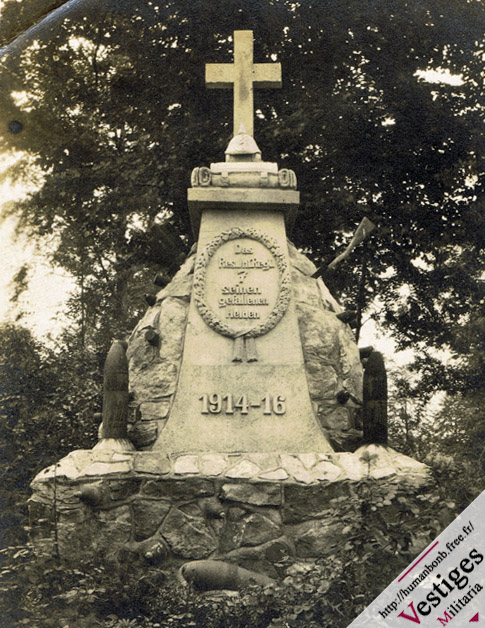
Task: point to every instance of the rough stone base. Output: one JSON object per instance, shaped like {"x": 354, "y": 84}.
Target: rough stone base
{"x": 250, "y": 509}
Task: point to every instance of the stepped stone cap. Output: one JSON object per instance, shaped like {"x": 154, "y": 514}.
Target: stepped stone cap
{"x": 243, "y": 168}
{"x": 243, "y": 182}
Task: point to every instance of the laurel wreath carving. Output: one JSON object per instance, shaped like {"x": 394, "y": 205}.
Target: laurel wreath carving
{"x": 200, "y": 271}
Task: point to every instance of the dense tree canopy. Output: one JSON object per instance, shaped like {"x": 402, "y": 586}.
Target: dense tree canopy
{"x": 107, "y": 100}
{"x": 103, "y": 103}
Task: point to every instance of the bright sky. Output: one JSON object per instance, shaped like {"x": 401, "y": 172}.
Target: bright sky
{"x": 43, "y": 303}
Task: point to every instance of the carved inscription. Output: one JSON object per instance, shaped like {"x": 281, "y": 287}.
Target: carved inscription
{"x": 216, "y": 403}
{"x": 245, "y": 281}
{"x": 241, "y": 283}
{"x": 243, "y": 266}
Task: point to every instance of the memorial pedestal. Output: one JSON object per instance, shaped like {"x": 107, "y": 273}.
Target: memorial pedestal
{"x": 257, "y": 399}
{"x": 250, "y": 509}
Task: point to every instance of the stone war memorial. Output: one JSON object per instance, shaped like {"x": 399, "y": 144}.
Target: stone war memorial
{"x": 231, "y": 427}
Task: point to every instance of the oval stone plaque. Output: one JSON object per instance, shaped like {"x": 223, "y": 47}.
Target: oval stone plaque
{"x": 242, "y": 283}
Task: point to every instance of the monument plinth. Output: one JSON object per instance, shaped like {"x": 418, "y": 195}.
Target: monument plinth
{"x": 242, "y": 384}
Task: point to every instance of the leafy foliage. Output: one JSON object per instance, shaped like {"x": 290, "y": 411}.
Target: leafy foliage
{"x": 47, "y": 402}
{"x": 459, "y": 430}
{"x": 382, "y": 534}
{"x": 113, "y": 111}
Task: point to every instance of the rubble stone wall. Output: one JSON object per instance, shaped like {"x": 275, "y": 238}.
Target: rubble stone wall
{"x": 249, "y": 509}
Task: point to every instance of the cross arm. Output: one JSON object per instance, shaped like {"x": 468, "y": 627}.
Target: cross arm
{"x": 219, "y": 75}
{"x": 267, "y": 75}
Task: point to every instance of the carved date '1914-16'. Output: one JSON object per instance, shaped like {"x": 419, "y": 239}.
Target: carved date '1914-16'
{"x": 230, "y": 404}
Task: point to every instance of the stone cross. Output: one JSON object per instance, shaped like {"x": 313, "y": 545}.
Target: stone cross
{"x": 243, "y": 75}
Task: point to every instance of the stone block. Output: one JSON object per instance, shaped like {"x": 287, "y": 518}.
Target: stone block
{"x": 276, "y": 474}
{"x": 258, "y": 529}
{"x": 305, "y": 289}
{"x": 380, "y": 461}
{"x": 212, "y": 464}
{"x": 157, "y": 380}
{"x": 265, "y": 461}
{"x": 255, "y": 494}
{"x": 148, "y": 516}
{"x": 186, "y": 465}
{"x": 295, "y": 468}
{"x": 382, "y": 472}
{"x": 67, "y": 494}
{"x": 158, "y": 409}
{"x": 179, "y": 490}
{"x": 70, "y": 467}
{"x": 309, "y": 460}
{"x": 349, "y": 357}
{"x": 331, "y": 360}
{"x": 122, "y": 489}
{"x": 328, "y": 300}
{"x": 315, "y": 539}
{"x": 76, "y": 461}
{"x": 188, "y": 536}
{"x": 107, "y": 468}
{"x": 322, "y": 379}
{"x": 150, "y": 319}
{"x": 353, "y": 379}
{"x": 114, "y": 526}
{"x": 173, "y": 318}
{"x": 300, "y": 261}
{"x": 44, "y": 476}
{"x": 327, "y": 471}
{"x": 231, "y": 535}
{"x": 154, "y": 370}
{"x": 40, "y": 513}
{"x": 187, "y": 267}
{"x": 354, "y": 468}
{"x": 307, "y": 502}
{"x": 334, "y": 417}
{"x": 319, "y": 334}
{"x": 43, "y": 490}
{"x": 120, "y": 456}
{"x": 244, "y": 469}
{"x": 141, "y": 354}
{"x": 143, "y": 433}
{"x": 75, "y": 516}
{"x": 154, "y": 463}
